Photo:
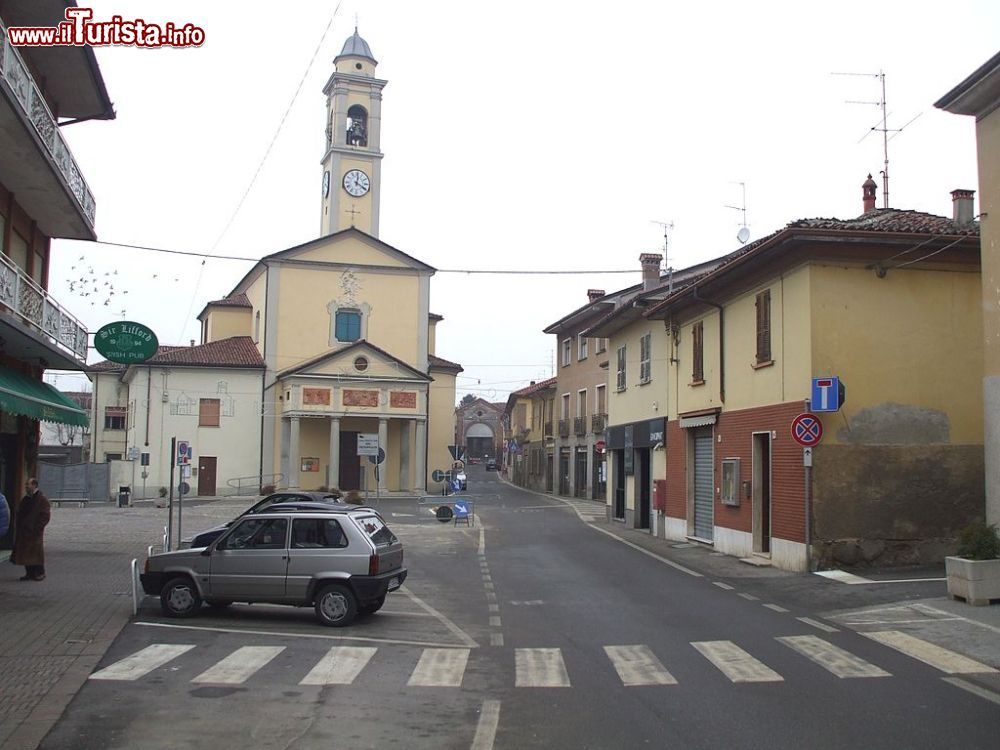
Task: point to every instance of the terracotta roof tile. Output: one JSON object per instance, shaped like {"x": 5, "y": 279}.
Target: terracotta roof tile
{"x": 236, "y": 300}
{"x": 237, "y": 351}
{"x": 435, "y": 361}
{"x": 893, "y": 220}
{"x": 527, "y": 391}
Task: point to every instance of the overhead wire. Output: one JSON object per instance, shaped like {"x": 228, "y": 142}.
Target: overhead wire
{"x": 260, "y": 166}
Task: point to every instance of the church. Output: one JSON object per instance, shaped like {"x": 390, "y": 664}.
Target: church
{"x": 344, "y": 337}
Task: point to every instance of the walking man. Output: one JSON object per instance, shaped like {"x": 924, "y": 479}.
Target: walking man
{"x": 33, "y": 513}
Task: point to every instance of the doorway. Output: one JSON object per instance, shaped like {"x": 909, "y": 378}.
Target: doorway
{"x": 642, "y": 488}
{"x": 207, "y": 466}
{"x": 704, "y": 484}
{"x": 619, "y": 508}
{"x": 350, "y": 463}
{"x": 564, "y": 472}
{"x": 762, "y": 492}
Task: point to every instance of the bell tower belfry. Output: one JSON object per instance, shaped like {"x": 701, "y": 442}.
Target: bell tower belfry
{"x": 352, "y": 162}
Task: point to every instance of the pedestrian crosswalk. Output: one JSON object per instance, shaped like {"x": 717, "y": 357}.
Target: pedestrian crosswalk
{"x": 634, "y": 664}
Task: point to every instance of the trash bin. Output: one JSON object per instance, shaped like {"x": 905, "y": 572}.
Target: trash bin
{"x": 124, "y": 495}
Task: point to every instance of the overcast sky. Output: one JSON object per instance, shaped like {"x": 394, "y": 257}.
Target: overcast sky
{"x": 517, "y": 135}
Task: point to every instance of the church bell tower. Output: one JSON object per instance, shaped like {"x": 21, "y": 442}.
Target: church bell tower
{"x": 352, "y": 162}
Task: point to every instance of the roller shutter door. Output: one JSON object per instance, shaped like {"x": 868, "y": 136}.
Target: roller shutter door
{"x": 704, "y": 486}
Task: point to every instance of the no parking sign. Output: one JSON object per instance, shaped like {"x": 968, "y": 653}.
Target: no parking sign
{"x": 807, "y": 430}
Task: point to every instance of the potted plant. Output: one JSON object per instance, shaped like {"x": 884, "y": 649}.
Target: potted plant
{"x": 974, "y": 574}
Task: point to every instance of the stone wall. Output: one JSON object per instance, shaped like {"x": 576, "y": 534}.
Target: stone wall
{"x": 888, "y": 505}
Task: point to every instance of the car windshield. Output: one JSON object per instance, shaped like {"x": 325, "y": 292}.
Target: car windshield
{"x": 376, "y": 530}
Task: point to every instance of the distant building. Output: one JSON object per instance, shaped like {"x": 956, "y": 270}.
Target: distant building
{"x": 478, "y": 427}
{"x": 67, "y": 443}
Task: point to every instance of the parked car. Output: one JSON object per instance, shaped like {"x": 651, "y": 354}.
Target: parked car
{"x": 340, "y": 560}
{"x": 205, "y": 538}
{"x": 474, "y": 460}
{"x": 491, "y": 464}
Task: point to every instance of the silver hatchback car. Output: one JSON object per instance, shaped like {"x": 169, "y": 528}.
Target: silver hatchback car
{"x": 340, "y": 560}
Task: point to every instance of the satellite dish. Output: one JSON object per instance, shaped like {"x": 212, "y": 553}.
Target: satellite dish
{"x": 743, "y": 235}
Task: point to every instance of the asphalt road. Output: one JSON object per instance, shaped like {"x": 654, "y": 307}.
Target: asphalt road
{"x": 528, "y": 629}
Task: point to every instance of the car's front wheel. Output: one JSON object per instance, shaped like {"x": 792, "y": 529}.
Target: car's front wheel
{"x": 179, "y": 597}
{"x": 336, "y": 605}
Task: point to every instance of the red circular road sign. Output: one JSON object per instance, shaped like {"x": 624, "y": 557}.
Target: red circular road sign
{"x": 807, "y": 430}
{"x": 600, "y": 445}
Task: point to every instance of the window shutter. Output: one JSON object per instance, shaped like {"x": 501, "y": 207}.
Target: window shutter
{"x": 209, "y": 410}
{"x": 764, "y": 326}
{"x": 698, "y": 364}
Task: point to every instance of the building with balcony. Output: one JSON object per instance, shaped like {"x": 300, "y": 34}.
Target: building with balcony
{"x": 530, "y": 445}
{"x": 43, "y": 195}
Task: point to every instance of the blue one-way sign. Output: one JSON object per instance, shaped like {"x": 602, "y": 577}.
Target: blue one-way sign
{"x": 827, "y": 394}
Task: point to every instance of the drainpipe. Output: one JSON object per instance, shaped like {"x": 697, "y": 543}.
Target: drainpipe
{"x": 722, "y": 341}
{"x": 149, "y": 392}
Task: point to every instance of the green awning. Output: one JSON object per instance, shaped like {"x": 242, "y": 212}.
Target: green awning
{"x": 20, "y": 394}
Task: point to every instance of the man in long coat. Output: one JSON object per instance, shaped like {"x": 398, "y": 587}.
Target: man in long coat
{"x": 33, "y": 513}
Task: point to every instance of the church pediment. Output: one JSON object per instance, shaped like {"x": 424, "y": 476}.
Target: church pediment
{"x": 360, "y": 360}
{"x": 351, "y": 247}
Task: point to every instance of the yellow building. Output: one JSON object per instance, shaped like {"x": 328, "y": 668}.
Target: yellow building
{"x": 529, "y": 453}
{"x": 979, "y": 96}
{"x": 888, "y": 303}
{"x": 344, "y": 325}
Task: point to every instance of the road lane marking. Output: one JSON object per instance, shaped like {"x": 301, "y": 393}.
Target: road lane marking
{"x": 817, "y": 624}
{"x": 940, "y": 658}
{"x": 141, "y": 662}
{"x": 775, "y": 607}
{"x": 833, "y": 659}
{"x": 540, "y": 667}
{"x": 638, "y": 665}
{"x": 496, "y": 639}
{"x": 750, "y": 597}
{"x": 440, "y": 667}
{"x": 495, "y": 622}
{"x": 279, "y": 634}
{"x": 455, "y": 630}
{"x": 722, "y": 585}
{"x": 340, "y": 666}
{"x": 494, "y": 607}
{"x": 486, "y": 730}
{"x": 735, "y": 663}
{"x": 239, "y": 666}
{"x": 841, "y": 576}
{"x": 665, "y": 561}
{"x": 934, "y": 610}
{"x": 974, "y": 689}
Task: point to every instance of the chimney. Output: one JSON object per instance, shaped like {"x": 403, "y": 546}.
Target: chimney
{"x": 192, "y": 341}
{"x": 650, "y": 270}
{"x": 961, "y": 206}
{"x": 594, "y": 294}
{"x": 869, "y": 188}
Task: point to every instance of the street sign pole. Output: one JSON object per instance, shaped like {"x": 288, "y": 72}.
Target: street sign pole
{"x": 170, "y": 500}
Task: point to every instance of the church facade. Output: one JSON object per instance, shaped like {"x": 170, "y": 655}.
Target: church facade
{"x": 343, "y": 325}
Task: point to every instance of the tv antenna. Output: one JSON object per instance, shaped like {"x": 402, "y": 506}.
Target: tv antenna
{"x": 667, "y": 226}
{"x": 884, "y": 129}
{"x": 744, "y": 234}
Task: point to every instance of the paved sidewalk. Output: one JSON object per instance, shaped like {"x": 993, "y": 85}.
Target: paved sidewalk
{"x": 53, "y": 632}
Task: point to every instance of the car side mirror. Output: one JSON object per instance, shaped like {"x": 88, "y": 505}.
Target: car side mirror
{"x": 207, "y": 552}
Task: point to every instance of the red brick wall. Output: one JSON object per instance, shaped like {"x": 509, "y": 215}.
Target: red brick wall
{"x": 736, "y": 430}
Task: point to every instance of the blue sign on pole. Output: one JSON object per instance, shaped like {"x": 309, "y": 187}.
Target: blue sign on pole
{"x": 827, "y": 394}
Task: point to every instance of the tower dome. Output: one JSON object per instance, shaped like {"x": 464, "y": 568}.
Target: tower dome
{"x": 355, "y": 46}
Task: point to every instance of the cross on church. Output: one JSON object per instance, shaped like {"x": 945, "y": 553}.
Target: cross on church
{"x": 352, "y": 212}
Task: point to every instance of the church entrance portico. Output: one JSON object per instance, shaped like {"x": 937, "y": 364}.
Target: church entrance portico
{"x": 322, "y": 451}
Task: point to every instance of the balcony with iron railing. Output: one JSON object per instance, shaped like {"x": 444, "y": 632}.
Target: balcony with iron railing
{"x": 579, "y": 426}
{"x": 598, "y": 423}
{"x": 35, "y": 112}
{"x": 563, "y": 428}
{"x": 34, "y": 309}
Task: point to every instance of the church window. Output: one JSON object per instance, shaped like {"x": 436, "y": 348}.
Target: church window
{"x": 348, "y": 325}
{"x": 357, "y": 126}
{"x": 361, "y": 364}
